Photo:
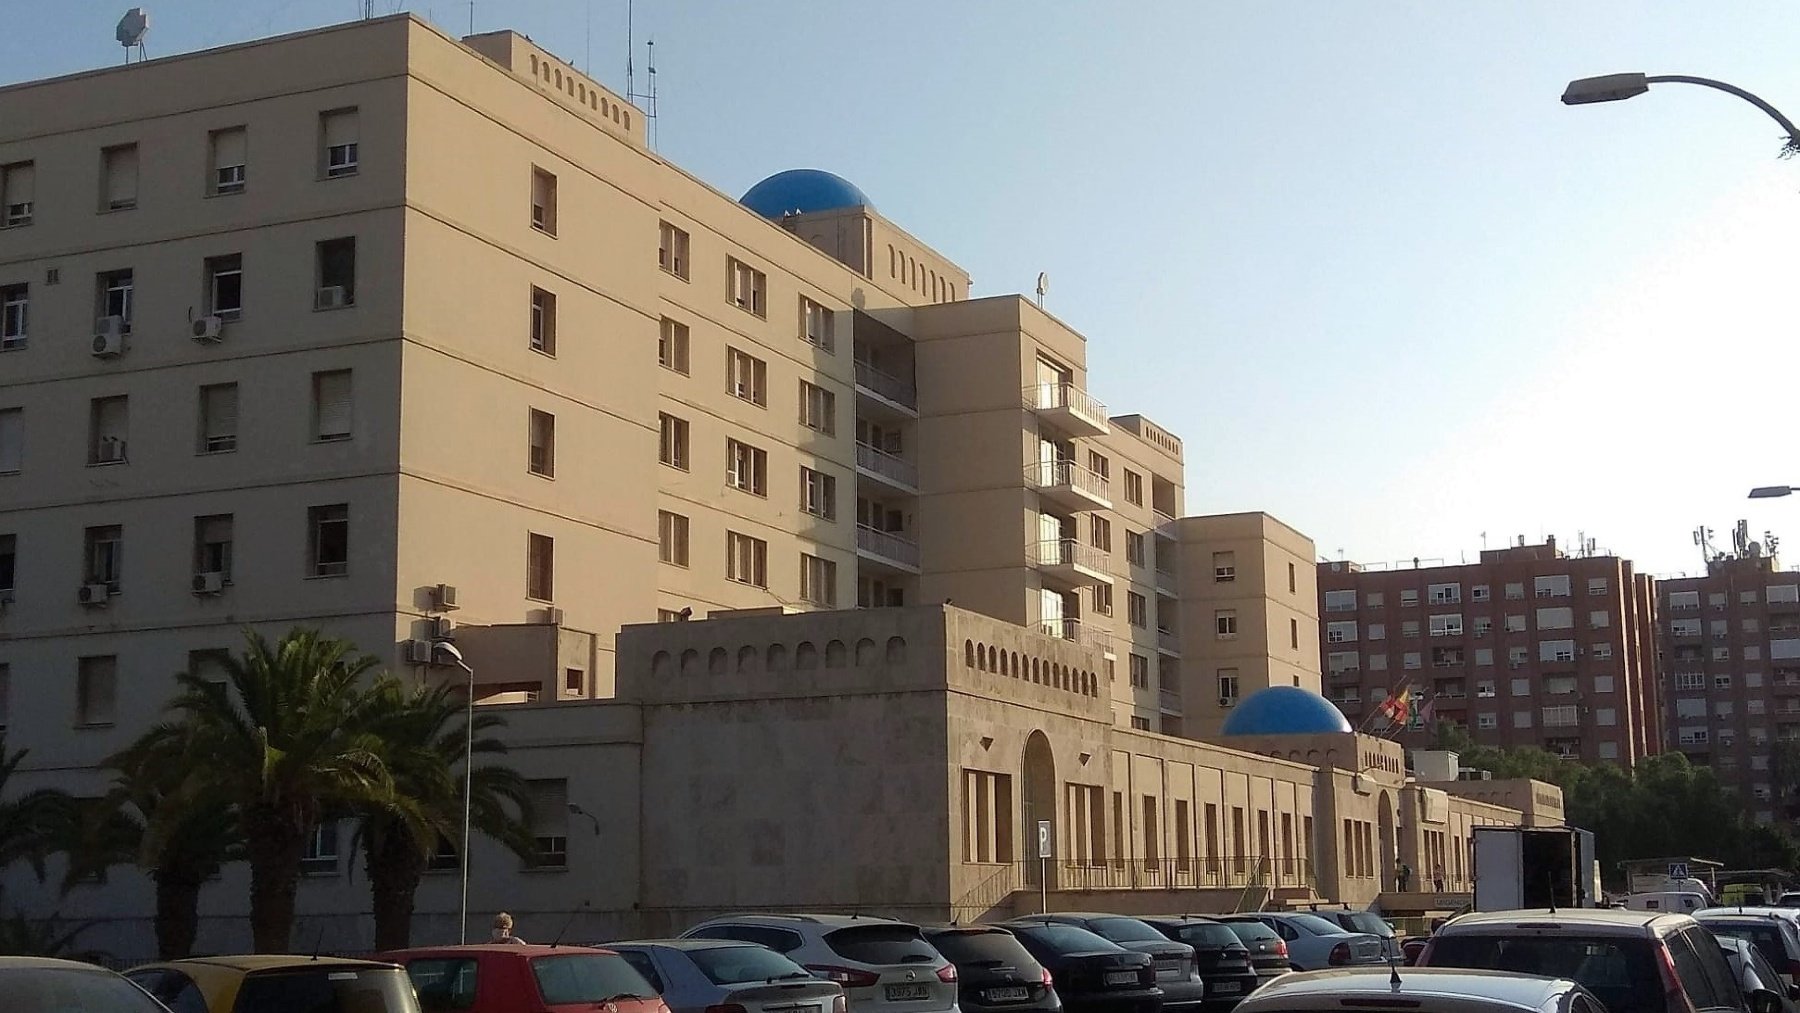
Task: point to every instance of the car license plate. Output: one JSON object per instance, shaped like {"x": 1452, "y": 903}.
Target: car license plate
{"x": 908, "y": 993}
{"x": 1121, "y": 977}
{"x": 1226, "y": 987}
{"x": 1008, "y": 994}
{"x": 1168, "y": 973}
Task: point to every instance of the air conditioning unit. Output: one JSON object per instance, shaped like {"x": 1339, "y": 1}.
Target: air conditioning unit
{"x": 209, "y": 329}
{"x": 445, "y": 598}
{"x": 109, "y": 337}
{"x": 1227, "y": 701}
{"x": 209, "y": 583}
{"x": 442, "y": 627}
{"x": 331, "y": 297}
{"x": 552, "y": 616}
{"x": 110, "y": 450}
{"x": 418, "y": 652}
{"x": 531, "y": 695}
{"x": 93, "y": 594}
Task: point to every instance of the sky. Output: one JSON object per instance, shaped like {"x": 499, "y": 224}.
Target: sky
{"x": 1356, "y": 254}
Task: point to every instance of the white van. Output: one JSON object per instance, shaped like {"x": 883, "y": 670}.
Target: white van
{"x": 1675, "y": 902}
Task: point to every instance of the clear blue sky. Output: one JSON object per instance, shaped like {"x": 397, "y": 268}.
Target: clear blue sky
{"x": 1356, "y": 254}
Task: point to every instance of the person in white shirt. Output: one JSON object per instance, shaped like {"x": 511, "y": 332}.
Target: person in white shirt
{"x": 503, "y": 929}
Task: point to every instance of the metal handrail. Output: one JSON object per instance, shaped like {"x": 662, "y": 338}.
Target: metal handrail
{"x": 889, "y": 545}
{"x": 887, "y": 385}
{"x": 887, "y": 465}
{"x": 1049, "y": 474}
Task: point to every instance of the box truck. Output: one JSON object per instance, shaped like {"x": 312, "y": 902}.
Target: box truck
{"x": 1534, "y": 867}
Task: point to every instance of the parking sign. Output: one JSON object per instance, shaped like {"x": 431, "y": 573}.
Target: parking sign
{"x": 1043, "y": 838}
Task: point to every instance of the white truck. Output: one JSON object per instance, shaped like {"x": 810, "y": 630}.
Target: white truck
{"x": 1534, "y": 867}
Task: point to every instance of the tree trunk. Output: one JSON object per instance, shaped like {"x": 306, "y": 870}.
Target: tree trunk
{"x": 273, "y": 844}
{"x": 395, "y": 868}
{"x": 177, "y": 913}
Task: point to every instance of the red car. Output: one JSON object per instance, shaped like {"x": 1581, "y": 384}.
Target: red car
{"x": 515, "y": 978}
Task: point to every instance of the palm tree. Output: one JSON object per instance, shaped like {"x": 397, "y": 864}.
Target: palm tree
{"x": 27, "y": 823}
{"x": 423, "y": 740}
{"x": 289, "y": 736}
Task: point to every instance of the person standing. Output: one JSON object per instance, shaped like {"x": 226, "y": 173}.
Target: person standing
{"x": 503, "y": 929}
{"x": 1404, "y": 875}
{"x": 1437, "y": 877}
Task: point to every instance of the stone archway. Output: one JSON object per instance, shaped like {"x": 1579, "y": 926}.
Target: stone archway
{"x": 1386, "y": 856}
{"x": 1037, "y": 801}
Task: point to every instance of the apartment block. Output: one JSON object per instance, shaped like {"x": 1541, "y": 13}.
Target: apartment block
{"x": 1529, "y": 646}
{"x": 1731, "y": 671}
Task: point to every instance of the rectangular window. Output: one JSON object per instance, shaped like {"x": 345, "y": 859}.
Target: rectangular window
{"x": 746, "y": 467}
{"x": 1409, "y": 628}
{"x": 543, "y": 321}
{"x": 104, "y": 556}
{"x": 1596, "y": 585}
{"x": 1378, "y": 631}
{"x": 338, "y": 135}
{"x": 230, "y": 160}
{"x": 12, "y": 440}
{"x": 1773, "y": 593}
{"x": 212, "y": 545}
{"x": 5, "y": 695}
{"x": 1521, "y": 719}
{"x": 1555, "y": 619}
{"x": 672, "y": 346}
{"x": 1138, "y": 671}
{"x": 1487, "y": 721}
{"x": 1447, "y": 625}
{"x": 108, "y": 420}
{"x": 746, "y": 559}
{"x": 1746, "y": 597}
{"x": 543, "y": 201}
{"x": 818, "y": 581}
{"x": 335, "y": 262}
{"x": 331, "y": 405}
{"x": 1099, "y": 465}
{"x": 1603, "y": 684}
{"x": 674, "y": 441}
{"x": 1444, "y": 594}
{"x": 1409, "y": 597}
{"x": 1134, "y": 548}
{"x": 320, "y": 855}
{"x": 96, "y": 689}
{"x": 1553, "y": 586}
{"x": 114, "y": 292}
{"x": 1484, "y": 688}
{"x": 1479, "y": 592}
{"x": 18, "y": 194}
{"x": 1134, "y": 488}
{"x": 672, "y": 538}
{"x": 818, "y": 494}
{"x": 1225, "y": 571}
{"x": 1378, "y": 662}
{"x": 1556, "y": 650}
{"x": 1137, "y": 609}
{"x": 328, "y": 540}
{"x": 1684, "y": 600}
{"x": 816, "y": 325}
{"x": 540, "y": 567}
{"x": 1515, "y": 624}
{"x": 549, "y": 821}
{"x": 542, "y": 443}
{"x": 1225, "y": 623}
{"x": 9, "y": 554}
{"x": 1515, "y": 592}
{"x": 672, "y": 251}
{"x": 119, "y": 178}
{"x": 225, "y": 286}
{"x": 15, "y": 302}
{"x": 1100, "y": 533}
{"x": 746, "y": 377}
{"x": 748, "y": 287}
{"x": 1341, "y": 632}
{"x": 218, "y": 419}
{"x": 1602, "y": 652}
{"x": 1102, "y": 597}
{"x": 1599, "y": 619}
{"x": 818, "y": 409}
{"x": 1411, "y": 659}
{"x": 1335, "y": 601}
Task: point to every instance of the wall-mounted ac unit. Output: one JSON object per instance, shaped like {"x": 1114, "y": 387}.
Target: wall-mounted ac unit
{"x": 418, "y": 652}
{"x": 209, "y": 583}
{"x": 444, "y": 597}
{"x": 331, "y": 297}
{"x": 109, "y": 337}
{"x": 209, "y": 329}
{"x": 109, "y": 450}
{"x": 93, "y": 594}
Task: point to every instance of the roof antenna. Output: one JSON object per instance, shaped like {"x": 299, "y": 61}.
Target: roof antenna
{"x": 318, "y": 937}
{"x": 1550, "y": 881}
{"x": 565, "y": 925}
{"x": 1393, "y": 973}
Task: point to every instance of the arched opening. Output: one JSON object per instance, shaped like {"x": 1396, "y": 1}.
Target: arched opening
{"x": 806, "y": 655}
{"x": 896, "y": 651}
{"x": 1037, "y": 802}
{"x": 835, "y": 654}
{"x": 865, "y": 652}
{"x": 1386, "y": 859}
{"x": 778, "y": 657}
{"x": 968, "y": 654}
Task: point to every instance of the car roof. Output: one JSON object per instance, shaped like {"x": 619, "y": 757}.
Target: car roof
{"x": 682, "y": 944}
{"x": 1586, "y": 917}
{"x": 1527, "y": 991}
{"x": 1077, "y": 914}
{"x": 1179, "y": 919}
{"x": 46, "y": 963}
{"x": 248, "y": 962}
{"x": 823, "y": 921}
{"x": 1749, "y": 912}
{"x": 509, "y": 949}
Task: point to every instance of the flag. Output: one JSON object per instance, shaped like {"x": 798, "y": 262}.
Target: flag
{"x": 1397, "y": 708}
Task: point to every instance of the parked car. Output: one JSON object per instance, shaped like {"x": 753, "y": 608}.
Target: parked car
{"x": 1753, "y": 973}
{"x": 1092, "y": 975}
{"x": 1220, "y": 958}
{"x": 1365, "y": 921}
{"x": 1314, "y": 943}
{"x": 994, "y": 971}
{"x": 1679, "y": 901}
{"x": 1175, "y": 975}
{"x": 258, "y": 982}
{"x": 1775, "y": 931}
{"x": 47, "y": 985}
{"x": 517, "y": 978}
{"x": 1633, "y": 961}
{"x": 694, "y": 974}
{"x": 1435, "y": 989}
{"x": 884, "y": 966}
{"x": 1268, "y": 951}
{"x": 1411, "y": 947}
{"x": 1789, "y": 899}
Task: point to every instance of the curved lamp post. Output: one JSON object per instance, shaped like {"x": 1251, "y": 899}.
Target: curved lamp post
{"x": 1772, "y": 491}
{"x": 444, "y": 649}
{"x": 1618, "y": 87}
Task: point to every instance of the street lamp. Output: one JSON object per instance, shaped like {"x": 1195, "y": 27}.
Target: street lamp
{"x": 1618, "y": 87}
{"x": 446, "y": 649}
{"x": 1772, "y": 491}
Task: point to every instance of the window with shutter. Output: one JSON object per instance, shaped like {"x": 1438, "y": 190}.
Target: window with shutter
{"x": 550, "y": 820}
{"x": 329, "y": 540}
{"x": 540, "y": 567}
{"x": 96, "y": 683}
{"x": 18, "y": 194}
{"x": 119, "y": 178}
{"x": 229, "y": 160}
{"x": 331, "y": 405}
{"x": 543, "y": 444}
{"x": 338, "y": 130}
{"x": 15, "y": 306}
{"x": 12, "y": 440}
{"x": 218, "y": 418}
{"x": 107, "y": 422}
{"x": 212, "y": 545}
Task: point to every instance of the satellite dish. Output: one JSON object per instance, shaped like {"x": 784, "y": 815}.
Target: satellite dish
{"x": 132, "y": 28}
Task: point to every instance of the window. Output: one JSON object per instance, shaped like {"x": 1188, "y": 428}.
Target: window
{"x": 540, "y": 567}
{"x": 1480, "y": 592}
{"x": 1555, "y": 619}
{"x": 119, "y": 178}
{"x": 673, "y": 450}
{"x": 543, "y": 321}
{"x": 1556, "y": 650}
{"x": 1684, "y": 600}
{"x": 1684, "y": 627}
{"x": 15, "y": 301}
{"x": 96, "y": 685}
{"x": 1483, "y": 625}
{"x": 336, "y": 265}
{"x": 1294, "y": 635}
{"x": 328, "y": 544}
{"x": 818, "y": 493}
{"x": 1134, "y": 488}
{"x": 1752, "y": 652}
{"x": 1142, "y": 725}
{"x": 1225, "y": 571}
{"x": 1609, "y": 750}
{"x": 114, "y": 291}
{"x": 549, "y": 821}
{"x": 5, "y": 695}
{"x": 1484, "y": 689}
{"x": 1602, "y": 652}
{"x": 1447, "y": 625}
{"x": 818, "y": 581}
{"x": 746, "y": 468}
{"x": 746, "y": 377}
{"x": 1378, "y": 631}
{"x": 1410, "y": 660}
{"x": 1751, "y": 626}
{"x": 1409, "y": 628}
{"x": 672, "y": 538}
{"x": 1599, "y": 619}
{"x": 1687, "y": 681}
{"x": 1099, "y": 465}
{"x": 331, "y": 405}
{"x": 1781, "y": 593}
{"x": 321, "y": 852}
{"x": 225, "y": 286}
{"x": 1561, "y": 716}
{"x": 1343, "y": 661}
{"x": 816, "y": 325}
{"x": 1559, "y": 685}
{"x": 1335, "y": 601}
{"x": 1517, "y": 656}
{"x": 17, "y": 194}
{"x": 746, "y": 559}
{"x": 1102, "y": 596}
{"x": 1603, "y": 684}
{"x": 1225, "y": 623}
{"x": 12, "y": 440}
{"x": 1553, "y": 586}
{"x": 1596, "y": 585}
{"x": 1487, "y": 721}
{"x": 1484, "y": 657}
{"x": 543, "y": 201}
{"x": 1343, "y": 632}
{"x": 672, "y": 252}
{"x": 749, "y": 288}
{"x": 542, "y": 443}
{"x": 1228, "y": 686}
{"x": 108, "y": 419}
{"x": 1409, "y": 597}
{"x": 1746, "y": 597}
{"x": 818, "y": 409}
{"x": 1137, "y": 610}
{"x": 1719, "y": 629}
{"x": 229, "y": 161}
{"x": 1515, "y": 592}
{"x": 1716, "y": 599}
{"x": 218, "y": 419}
{"x": 672, "y": 346}
{"x": 338, "y": 133}
{"x": 1134, "y": 547}
{"x": 1444, "y": 594}
{"x": 1377, "y": 662}
{"x": 9, "y": 554}
{"x": 103, "y": 556}
{"x": 212, "y": 545}
{"x": 1515, "y": 623}
{"x": 1100, "y": 533}
{"x": 1521, "y": 719}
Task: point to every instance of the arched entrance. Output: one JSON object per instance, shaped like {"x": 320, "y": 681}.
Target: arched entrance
{"x": 1386, "y": 857}
{"x": 1037, "y": 801}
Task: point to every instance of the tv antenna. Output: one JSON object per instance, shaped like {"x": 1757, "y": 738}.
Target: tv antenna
{"x": 131, "y": 31}
{"x": 1703, "y": 538}
{"x": 647, "y": 97}
{"x": 1043, "y": 286}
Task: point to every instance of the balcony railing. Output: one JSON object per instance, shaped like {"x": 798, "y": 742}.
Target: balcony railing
{"x": 1169, "y": 700}
{"x": 1166, "y": 580}
{"x": 887, "y": 466}
{"x": 890, "y": 387}
{"x": 1060, "y": 474}
{"x": 1168, "y": 641}
{"x": 1074, "y": 631}
{"x": 1164, "y": 873}
{"x": 888, "y": 545}
{"x": 1080, "y": 410}
{"x": 1068, "y": 552}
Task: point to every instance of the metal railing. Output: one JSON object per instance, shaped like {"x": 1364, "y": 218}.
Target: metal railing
{"x": 1168, "y": 640}
{"x": 887, "y": 465}
{"x": 1074, "y": 631}
{"x": 1049, "y": 396}
{"x": 1166, "y": 580}
{"x": 888, "y": 386}
{"x": 1049, "y": 474}
{"x": 1068, "y": 552}
{"x": 1169, "y": 700}
{"x": 1165, "y": 873}
{"x": 888, "y": 545}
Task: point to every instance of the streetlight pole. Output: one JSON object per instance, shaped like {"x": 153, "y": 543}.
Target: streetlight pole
{"x": 1618, "y": 87}
{"x": 448, "y": 650}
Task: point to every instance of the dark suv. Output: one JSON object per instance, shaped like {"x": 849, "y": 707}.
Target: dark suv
{"x": 1220, "y": 957}
{"x": 994, "y": 973}
{"x": 1092, "y": 975}
{"x": 1365, "y": 921}
{"x": 1174, "y": 961}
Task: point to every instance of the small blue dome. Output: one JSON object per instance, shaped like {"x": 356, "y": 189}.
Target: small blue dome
{"x": 803, "y": 190}
{"x": 1285, "y": 710}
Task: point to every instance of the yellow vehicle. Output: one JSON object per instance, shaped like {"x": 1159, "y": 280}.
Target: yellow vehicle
{"x": 256, "y": 983}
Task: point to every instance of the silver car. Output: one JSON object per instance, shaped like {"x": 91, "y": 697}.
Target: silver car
{"x": 693, "y": 974}
{"x": 1315, "y": 943}
{"x": 883, "y": 966}
{"x": 1440, "y": 990}
{"x": 45, "y": 985}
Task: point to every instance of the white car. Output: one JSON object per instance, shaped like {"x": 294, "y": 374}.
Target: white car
{"x": 1438, "y": 990}
{"x": 883, "y": 966}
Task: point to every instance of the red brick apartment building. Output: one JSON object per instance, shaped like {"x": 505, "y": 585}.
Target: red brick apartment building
{"x": 1731, "y": 664}
{"x": 1527, "y": 647}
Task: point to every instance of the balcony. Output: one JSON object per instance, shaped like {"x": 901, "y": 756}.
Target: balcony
{"x": 1166, "y": 581}
{"x": 1068, "y": 485}
{"x": 887, "y": 548}
{"x": 887, "y": 469}
{"x": 1168, "y": 642}
{"x": 887, "y": 391}
{"x": 1069, "y": 562}
{"x": 1075, "y": 632}
{"x": 1783, "y": 605}
{"x": 1067, "y": 407}
{"x": 1168, "y": 701}
{"x": 1691, "y": 633}
{"x": 1344, "y": 675}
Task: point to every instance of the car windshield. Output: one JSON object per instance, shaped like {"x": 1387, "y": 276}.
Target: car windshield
{"x": 1766, "y": 936}
{"x": 1622, "y": 973}
{"x": 1069, "y": 938}
{"x": 989, "y": 947}
{"x": 1207, "y": 935}
{"x": 1124, "y": 930}
{"x": 882, "y": 944}
{"x": 1313, "y": 924}
{"x": 731, "y": 965}
{"x": 1253, "y": 932}
{"x": 327, "y": 988}
{"x": 71, "y": 990}
{"x": 588, "y": 977}
{"x": 1365, "y": 921}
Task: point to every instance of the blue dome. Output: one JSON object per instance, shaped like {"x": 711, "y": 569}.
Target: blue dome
{"x": 1284, "y": 710}
{"x": 803, "y": 190}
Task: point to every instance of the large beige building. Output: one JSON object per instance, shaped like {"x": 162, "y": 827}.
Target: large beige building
{"x": 407, "y": 336}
